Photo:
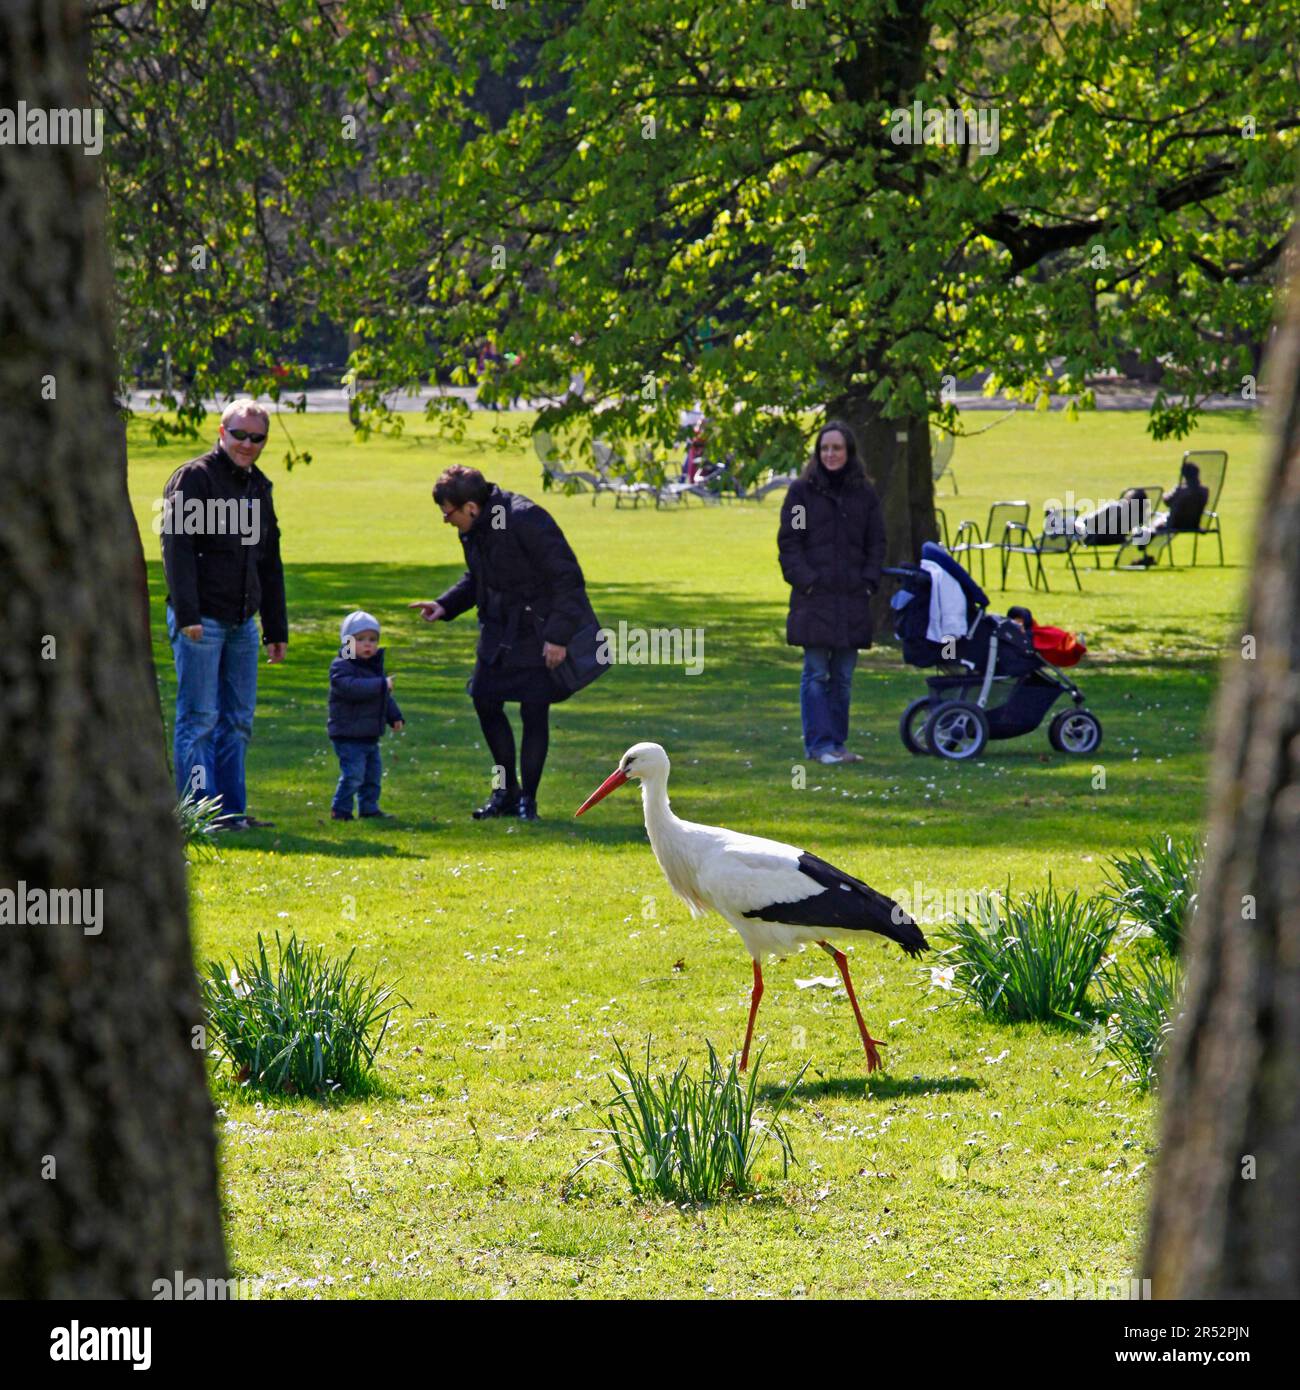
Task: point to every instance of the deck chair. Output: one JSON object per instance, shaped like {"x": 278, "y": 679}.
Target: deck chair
{"x": 942, "y": 445}
{"x": 1001, "y": 515}
{"x": 668, "y": 493}
{"x": 1058, "y": 537}
{"x": 625, "y": 489}
{"x": 1213, "y": 464}
{"x": 554, "y": 472}
{"x": 942, "y": 518}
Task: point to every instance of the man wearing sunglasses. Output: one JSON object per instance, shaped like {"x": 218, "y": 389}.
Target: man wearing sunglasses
{"x": 221, "y": 554}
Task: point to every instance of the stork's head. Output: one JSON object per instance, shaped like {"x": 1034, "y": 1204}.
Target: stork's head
{"x": 641, "y": 760}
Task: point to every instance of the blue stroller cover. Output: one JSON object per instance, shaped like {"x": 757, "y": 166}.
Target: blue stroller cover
{"x": 975, "y": 596}
{"x": 911, "y": 607}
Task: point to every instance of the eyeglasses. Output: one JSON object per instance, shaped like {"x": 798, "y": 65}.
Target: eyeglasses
{"x": 242, "y": 435}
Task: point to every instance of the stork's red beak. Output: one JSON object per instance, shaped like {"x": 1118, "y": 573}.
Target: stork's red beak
{"x": 615, "y": 779}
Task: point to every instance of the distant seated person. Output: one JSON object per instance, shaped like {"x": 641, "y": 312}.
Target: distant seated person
{"x": 1186, "y": 505}
{"x": 1114, "y": 522}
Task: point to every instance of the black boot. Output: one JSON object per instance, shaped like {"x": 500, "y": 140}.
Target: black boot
{"x": 527, "y": 808}
{"x": 500, "y": 803}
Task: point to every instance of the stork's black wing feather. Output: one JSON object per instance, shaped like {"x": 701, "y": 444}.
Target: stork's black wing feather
{"x": 848, "y": 904}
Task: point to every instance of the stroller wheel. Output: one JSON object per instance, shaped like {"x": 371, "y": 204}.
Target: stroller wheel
{"x": 1075, "y": 731}
{"x": 911, "y": 725}
{"x": 957, "y": 730}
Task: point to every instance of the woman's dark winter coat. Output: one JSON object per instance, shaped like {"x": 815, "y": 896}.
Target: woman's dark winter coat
{"x": 832, "y": 547}
{"x": 524, "y": 579}
{"x": 360, "y": 701}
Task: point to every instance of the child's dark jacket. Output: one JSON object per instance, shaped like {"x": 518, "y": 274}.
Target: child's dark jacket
{"x": 360, "y": 701}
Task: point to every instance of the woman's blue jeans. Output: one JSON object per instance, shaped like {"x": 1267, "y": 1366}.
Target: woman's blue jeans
{"x": 824, "y": 695}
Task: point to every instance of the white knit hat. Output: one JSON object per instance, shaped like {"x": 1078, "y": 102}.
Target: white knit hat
{"x": 359, "y": 621}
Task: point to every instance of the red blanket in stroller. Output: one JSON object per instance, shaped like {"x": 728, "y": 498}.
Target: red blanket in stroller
{"x": 1056, "y": 645}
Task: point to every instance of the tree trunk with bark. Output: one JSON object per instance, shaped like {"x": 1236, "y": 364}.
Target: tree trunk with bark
{"x": 107, "y": 1150}
{"x": 1225, "y": 1214}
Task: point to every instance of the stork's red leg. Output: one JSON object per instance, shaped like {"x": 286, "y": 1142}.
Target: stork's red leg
{"x": 754, "y": 997}
{"x": 868, "y": 1042}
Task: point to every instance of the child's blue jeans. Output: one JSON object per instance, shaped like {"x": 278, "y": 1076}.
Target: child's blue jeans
{"x": 360, "y": 774}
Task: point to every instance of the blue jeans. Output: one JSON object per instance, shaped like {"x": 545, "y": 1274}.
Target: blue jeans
{"x": 360, "y": 774}
{"x": 216, "y": 692}
{"x": 824, "y": 695}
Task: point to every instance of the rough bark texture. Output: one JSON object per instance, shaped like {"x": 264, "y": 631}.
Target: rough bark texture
{"x": 1233, "y": 1077}
{"x": 107, "y": 1151}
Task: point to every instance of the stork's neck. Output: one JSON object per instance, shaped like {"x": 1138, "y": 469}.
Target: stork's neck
{"x": 660, "y": 823}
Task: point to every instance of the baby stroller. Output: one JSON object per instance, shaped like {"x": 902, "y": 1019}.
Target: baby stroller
{"x": 993, "y": 684}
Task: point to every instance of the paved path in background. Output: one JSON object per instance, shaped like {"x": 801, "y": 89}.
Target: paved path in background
{"x": 1123, "y": 397}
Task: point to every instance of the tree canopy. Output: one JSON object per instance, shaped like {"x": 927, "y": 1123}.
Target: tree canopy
{"x": 724, "y": 204}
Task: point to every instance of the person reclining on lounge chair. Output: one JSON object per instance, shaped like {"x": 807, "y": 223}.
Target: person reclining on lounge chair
{"x": 1114, "y": 522}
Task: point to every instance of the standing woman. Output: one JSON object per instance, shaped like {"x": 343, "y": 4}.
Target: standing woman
{"x": 832, "y": 547}
{"x": 531, "y": 599}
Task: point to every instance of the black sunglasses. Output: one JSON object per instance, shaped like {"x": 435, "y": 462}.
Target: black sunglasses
{"x": 242, "y": 435}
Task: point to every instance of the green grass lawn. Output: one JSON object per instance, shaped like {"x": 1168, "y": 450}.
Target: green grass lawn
{"x": 983, "y": 1162}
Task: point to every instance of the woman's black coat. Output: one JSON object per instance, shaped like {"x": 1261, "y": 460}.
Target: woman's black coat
{"x": 832, "y": 546}
{"x": 524, "y": 579}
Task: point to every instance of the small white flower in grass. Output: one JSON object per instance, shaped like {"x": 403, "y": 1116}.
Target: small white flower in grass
{"x": 942, "y": 978}
{"x": 237, "y": 986}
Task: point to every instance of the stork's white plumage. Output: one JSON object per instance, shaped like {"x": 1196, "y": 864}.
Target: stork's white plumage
{"x": 776, "y": 896}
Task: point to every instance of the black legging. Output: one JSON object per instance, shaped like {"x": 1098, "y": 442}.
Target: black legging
{"x": 501, "y": 741}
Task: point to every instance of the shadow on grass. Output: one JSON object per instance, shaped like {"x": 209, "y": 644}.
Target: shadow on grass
{"x": 294, "y": 843}
{"x": 225, "y": 1090}
{"x": 884, "y": 1086}
{"x": 881, "y": 1086}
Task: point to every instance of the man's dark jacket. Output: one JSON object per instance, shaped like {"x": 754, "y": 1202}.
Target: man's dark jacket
{"x": 524, "y": 579}
{"x": 216, "y": 575}
{"x": 360, "y": 700}
{"x": 832, "y": 547}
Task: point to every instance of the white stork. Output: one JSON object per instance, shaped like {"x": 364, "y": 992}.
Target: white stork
{"x": 774, "y": 895}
